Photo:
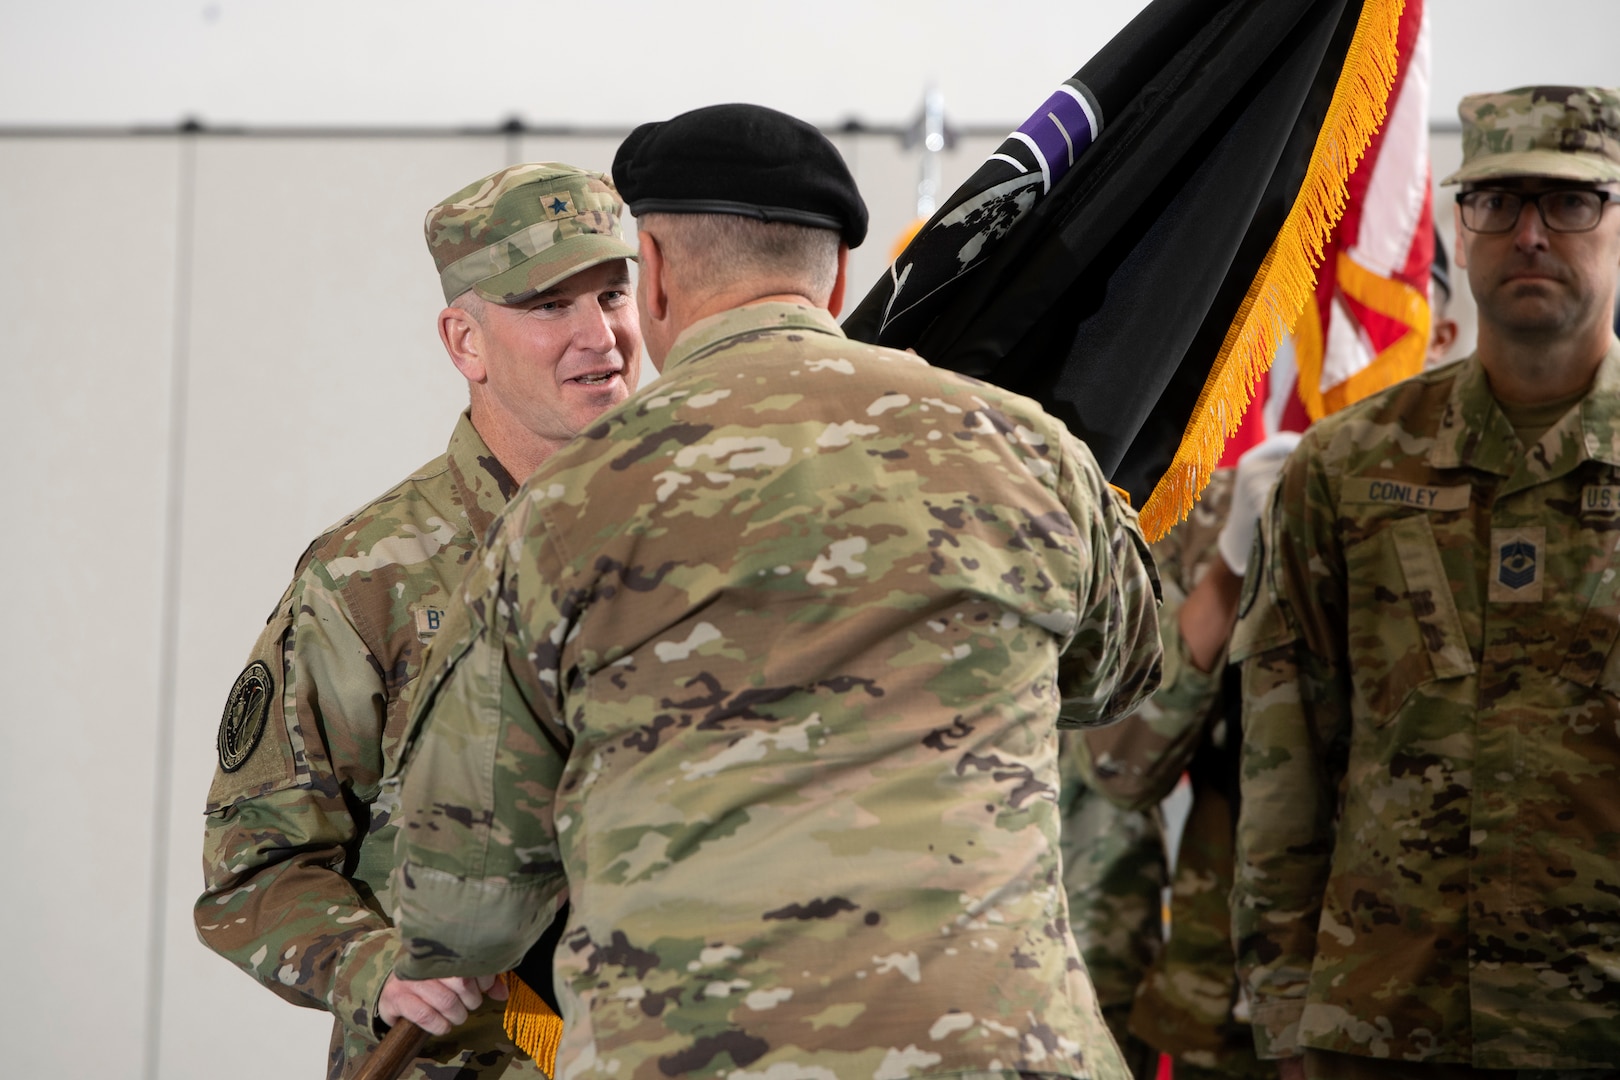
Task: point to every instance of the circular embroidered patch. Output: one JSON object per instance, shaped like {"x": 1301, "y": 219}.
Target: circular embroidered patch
{"x": 246, "y": 711}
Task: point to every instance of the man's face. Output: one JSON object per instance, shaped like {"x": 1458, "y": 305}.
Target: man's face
{"x": 555, "y": 363}
{"x": 1532, "y": 283}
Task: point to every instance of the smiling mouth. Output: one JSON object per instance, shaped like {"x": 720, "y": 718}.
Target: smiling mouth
{"x": 598, "y": 379}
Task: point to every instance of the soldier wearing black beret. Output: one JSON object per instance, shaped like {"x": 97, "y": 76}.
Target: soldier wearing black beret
{"x": 762, "y": 673}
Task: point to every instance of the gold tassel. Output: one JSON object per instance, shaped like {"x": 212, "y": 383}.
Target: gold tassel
{"x": 1287, "y": 277}
{"x": 531, "y": 1024}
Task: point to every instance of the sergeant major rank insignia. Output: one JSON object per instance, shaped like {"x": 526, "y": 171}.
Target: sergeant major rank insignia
{"x": 1517, "y": 554}
{"x": 246, "y": 711}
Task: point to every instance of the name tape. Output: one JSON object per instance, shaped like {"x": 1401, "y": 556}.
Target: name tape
{"x": 1367, "y": 489}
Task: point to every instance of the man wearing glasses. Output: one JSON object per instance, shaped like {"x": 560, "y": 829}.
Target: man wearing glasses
{"x": 1428, "y": 871}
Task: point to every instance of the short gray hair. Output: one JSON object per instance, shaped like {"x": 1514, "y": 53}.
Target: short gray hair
{"x": 473, "y": 304}
{"x": 708, "y": 252}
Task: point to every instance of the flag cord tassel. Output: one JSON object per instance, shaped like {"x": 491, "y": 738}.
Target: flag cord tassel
{"x": 531, "y": 1024}
{"x": 1287, "y": 276}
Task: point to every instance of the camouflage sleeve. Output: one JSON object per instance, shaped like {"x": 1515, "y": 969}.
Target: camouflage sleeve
{"x": 1114, "y": 874}
{"x": 1112, "y": 663}
{"x": 1136, "y": 762}
{"x": 479, "y": 874}
{"x": 281, "y": 829}
{"x": 1295, "y": 718}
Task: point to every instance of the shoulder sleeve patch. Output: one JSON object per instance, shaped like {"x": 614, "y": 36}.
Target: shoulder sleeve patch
{"x": 1251, "y": 580}
{"x": 257, "y": 748}
{"x": 247, "y": 709}
{"x": 1264, "y": 619}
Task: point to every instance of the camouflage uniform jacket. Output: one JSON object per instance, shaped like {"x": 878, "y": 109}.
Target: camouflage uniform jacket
{"x": 298, "y": 845}
{"x": 766, "y": 663}
{"x": 1187, "y": 1001}
{"x": 1429, "y": 844}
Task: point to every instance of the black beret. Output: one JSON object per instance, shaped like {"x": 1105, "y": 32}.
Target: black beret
{"x": 740, "y": 159}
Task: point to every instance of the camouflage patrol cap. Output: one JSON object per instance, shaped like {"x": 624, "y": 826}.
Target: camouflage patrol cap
{"x": 521, "y": 230}
{"x": 1564, "y": 132}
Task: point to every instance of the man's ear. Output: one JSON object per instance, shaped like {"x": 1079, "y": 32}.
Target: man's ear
{"x": 463, "y": 340}
{"x": 835, "y": 302}
{"x": 650, "y": 268}
{"x": 1442, "y": 337}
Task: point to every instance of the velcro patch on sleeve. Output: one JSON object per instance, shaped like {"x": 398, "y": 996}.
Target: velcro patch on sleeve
{"x": 255, "y": 751}
{"x": 246, "y": 710}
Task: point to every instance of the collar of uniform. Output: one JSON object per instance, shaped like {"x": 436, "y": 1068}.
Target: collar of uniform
{"x": 1585, "y": 433}
{"x": 482, "y": 482}
{"x": 1473, "y": 431}
{"x": 714, "y": 333}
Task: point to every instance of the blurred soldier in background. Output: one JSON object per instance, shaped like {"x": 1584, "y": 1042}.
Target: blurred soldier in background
{"x": 1188, "y": 1004}
{"x": 1114, "y": 872}
{"x": 1186, "y": 997}
{"x": 1442, "y": 327}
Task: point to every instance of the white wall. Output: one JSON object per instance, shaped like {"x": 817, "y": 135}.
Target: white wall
{"x": 481, "y": 61}
{"x": 85, "y": 421}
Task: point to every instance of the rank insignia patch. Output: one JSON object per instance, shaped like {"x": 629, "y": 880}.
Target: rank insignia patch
{"x": 1518, "y": 566}
{"x": 246, "y": 711}
{"x": 559, "y": 205}
{"x": 1517, "y": 573}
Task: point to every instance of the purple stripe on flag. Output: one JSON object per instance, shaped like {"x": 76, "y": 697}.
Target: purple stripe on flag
{"x": 1059, "y": 116}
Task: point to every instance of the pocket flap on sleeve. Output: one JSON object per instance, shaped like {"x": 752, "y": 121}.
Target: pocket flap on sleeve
{"x": 1433, "y": 603}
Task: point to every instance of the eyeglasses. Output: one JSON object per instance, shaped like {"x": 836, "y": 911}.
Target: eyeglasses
{"x": 1564, "y": 210}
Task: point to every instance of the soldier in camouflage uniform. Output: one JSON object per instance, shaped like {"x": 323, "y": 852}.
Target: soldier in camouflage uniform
{"x": 299, "y": 842}
{"x": 764, "y": 670}
{"x": 1114, "y": 873}
{"x": 1429, "y": 846}
{"x": 1188, "y": 1004}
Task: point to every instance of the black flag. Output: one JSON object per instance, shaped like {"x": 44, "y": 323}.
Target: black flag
{"x": 1132, "y": 253}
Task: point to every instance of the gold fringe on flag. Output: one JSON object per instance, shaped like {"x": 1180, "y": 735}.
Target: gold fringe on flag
{"x": 1287, "y": 277}
{"x": 531, "y": 1025}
